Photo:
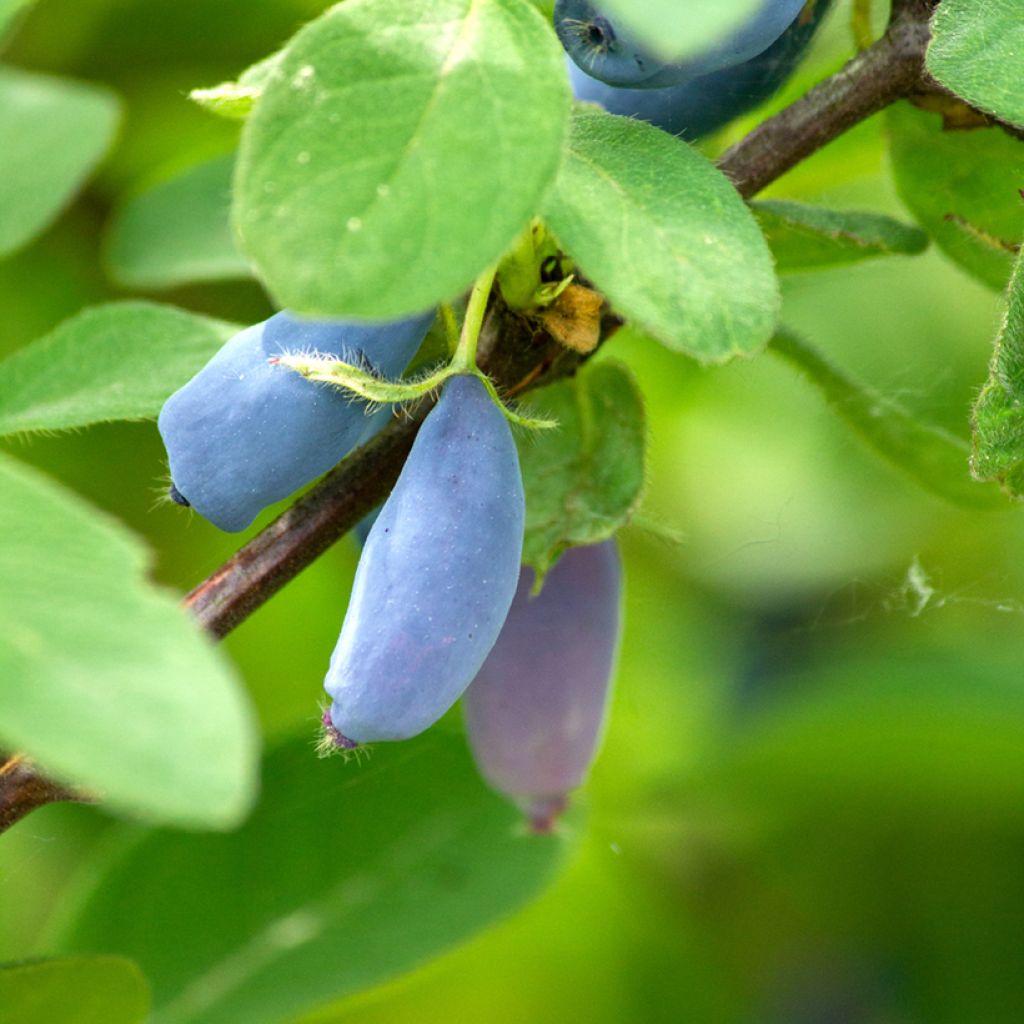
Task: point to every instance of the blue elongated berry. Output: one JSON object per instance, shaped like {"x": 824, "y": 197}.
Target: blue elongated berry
{"x": 535, "y": 710}
{"x": 244, "y": 433}
{"x": 436, "y": 576}
{"x": 606, "y": 50}
{"x": 698, "y": 107}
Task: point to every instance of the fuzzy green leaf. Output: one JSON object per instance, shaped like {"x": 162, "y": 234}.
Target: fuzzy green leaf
{"x": 115, "y": 362}
{"x": 665, "y": 236}
{"x": 75, "y": 990}
{"x": 584, "y": 479}
{"x": 977, "y": 51}
{"x": 352, "y": 873}
{"x": 104, "y": 680}
{"x": 178, "y": 232}
{"x": 999, "y": 411}
{"x": 400, "y": 150}
{"x": 54, "y": 133}
{"x": 803, "y": 237}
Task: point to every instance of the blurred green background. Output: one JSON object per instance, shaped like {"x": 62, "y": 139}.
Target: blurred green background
{"x": 810, "y": 802}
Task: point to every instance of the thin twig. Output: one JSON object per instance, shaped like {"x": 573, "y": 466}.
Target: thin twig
{"x": 888, "y": 71}
{"x": 23, "y": 790}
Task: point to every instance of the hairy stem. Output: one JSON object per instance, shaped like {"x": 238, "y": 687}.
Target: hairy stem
{"x": 476, "y": 310}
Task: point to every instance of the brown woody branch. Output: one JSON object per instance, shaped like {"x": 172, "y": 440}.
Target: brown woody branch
{"x": 519, "y": 355}
{"x": 23, "y": 789}
{"x": 890, "y": 70}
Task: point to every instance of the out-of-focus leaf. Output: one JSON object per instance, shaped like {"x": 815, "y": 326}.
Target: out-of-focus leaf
{"x": 398, "y": 151}
{"x": 583, "y": 480}
{"x": 115, "y": 362}
{"x": 345, "y": 875}
{"x": 999, "y": 411}
{"x": 962, "y": 187}
{"x": 178, "y": 232}
{"x": 934, "y": 458}
{"x": 103, "y": 679}
{"x": 910, "y": 725}
{"x": 54, "y": 133}
{"x": 665, "y": 236}
{"x": 803, "y": 237}
{"x": 977, "y": 51}
{"x": 75, "y": 990}
{"x": 9, "y": 10}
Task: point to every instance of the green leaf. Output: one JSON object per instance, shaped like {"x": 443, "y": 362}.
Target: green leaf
{"x": 803, "y": 237}
{"x": 679, "y": 29}
{"x": 583, "y": 480}
{"x": 115, "y": 362}
{"x": 235, "y": 100}
{"x": 977, "y": 51}
{"x": 103, "y": 679}
{"x": 178, "y": 232}
{"x": 402, "y": 149}
{"x": 962, "y": 188}
{"x": 999, "y": 411}
{"x": 54, "y": 133}
{"x": 76, "y": 990}
{"x": 9, "y": 11}
{"x": 935, "y": 459}
{"x": 345, "y": 875}
{"x": 665, "y": 236}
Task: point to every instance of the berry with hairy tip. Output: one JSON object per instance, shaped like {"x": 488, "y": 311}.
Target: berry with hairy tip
{"x": 436, "y": 576}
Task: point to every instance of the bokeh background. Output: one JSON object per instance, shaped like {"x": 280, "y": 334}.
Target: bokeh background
{"x": 809, "y": 806}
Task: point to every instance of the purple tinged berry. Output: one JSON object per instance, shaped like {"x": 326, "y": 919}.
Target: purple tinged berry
{"x": 436, "y": 576}
{"x": 335, "y": 738}
{"x": 535, "y": 710}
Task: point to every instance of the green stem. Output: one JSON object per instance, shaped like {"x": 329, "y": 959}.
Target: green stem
{"x": 385, "y": 392}
{"x": 465, "y": 354}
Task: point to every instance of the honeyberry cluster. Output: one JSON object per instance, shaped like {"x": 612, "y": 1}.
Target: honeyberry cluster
{"x": 441, "y": 605}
